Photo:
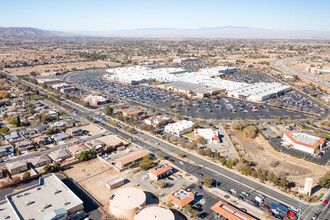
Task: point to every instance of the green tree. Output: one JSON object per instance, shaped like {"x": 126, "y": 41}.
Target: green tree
{"x": 194, "y": 213}
{"x": 169, "y": 204}
{"x": 56, "y": 166}
{"x": 161, "y": 183}
{"x": 132, "y": 164}
{"x": 207, "y": 182}
{"x": 108, "y": 110}
{"x": 4, "y": 130}
{"x": 47, "y": 168}
{"x": 146, "y": 162}
{"x": 208, "y": 152}
{"x": 247, "y": 170}
{"x": 284, "y": 182}
{"x": 186, "y": 208}
{"x": 325, "y": 180}
{"x": 216, "y": 155}
{"x": 26, "y": 175}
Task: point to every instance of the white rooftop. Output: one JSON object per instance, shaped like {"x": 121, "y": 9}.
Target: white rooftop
{"x": 36, "y": 201}
{"x": 207, "y": 133}
{"x": 154, "y": 212}
{"x": 305, "y": 138}
{"x": 180, "y": 125}
{"x": 128, "y": 198}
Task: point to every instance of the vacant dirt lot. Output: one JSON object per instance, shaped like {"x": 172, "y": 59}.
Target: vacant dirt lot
{"x": 259, "y": 151}
{"x": 92, "y": 176}
{"x": 92, "y": 129}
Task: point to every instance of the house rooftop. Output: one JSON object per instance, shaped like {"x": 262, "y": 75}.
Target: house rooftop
{"x": 181, "y": 197}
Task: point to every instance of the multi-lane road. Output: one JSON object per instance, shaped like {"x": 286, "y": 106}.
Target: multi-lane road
{"x": 281, "y": 64}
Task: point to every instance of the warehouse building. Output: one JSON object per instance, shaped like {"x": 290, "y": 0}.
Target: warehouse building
{"x": 259, "y": 92}
{"x": 31, "y": 202}
{"x": 230, "y": 212}
{"x": 179, "y": 128}
{"x": 190, "y": 89}
{"x": 303, "y": 142}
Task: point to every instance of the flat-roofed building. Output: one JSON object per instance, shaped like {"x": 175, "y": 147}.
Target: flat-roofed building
{"x": 181, "y": 197}
{"x": 157, "y": 120}
{"x": 303, "y": 142}
{"x": 124, "y": 161}
{"x": 114, "y": 183}
{"x": 179, "y": 128}
{"x": 48, "y": 80}
{"x": 160, "y": 171}
{"x": 190, "y": 89}
{"x": 210, "y": 135}
{"x": 41, "y": 200}
{"x": 230, "y": 212}
{"x": 95, "y": 99}
{"x": 259, "y": 91}
{"x": 131, "y": 111}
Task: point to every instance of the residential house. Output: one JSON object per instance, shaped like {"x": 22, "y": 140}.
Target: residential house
{"x": 40, "y": 161}
{"x": 27, "y": 132}
{"x": 16, "y": 167}
{"x": 40, "y": 128}
{"x": 76, "y": 149}
{"x": 42, "y": 140}
{"x": 60, "y": 137}
{"x": 59, "y": 155}
{"x": 75, "y": 131}
{"x": 6, "y": 150}
{"x": 24, "y": 145}
{"x": 95, "y": 144}
{"x": 13, "y": 136}
{"x": 58, "y": 124}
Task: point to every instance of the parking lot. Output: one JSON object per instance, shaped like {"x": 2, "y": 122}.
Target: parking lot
{"x": 248, "y": 77}
{"x": 220, "y": 108}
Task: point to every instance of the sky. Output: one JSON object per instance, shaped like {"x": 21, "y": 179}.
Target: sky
{"x": 109, "y": 15}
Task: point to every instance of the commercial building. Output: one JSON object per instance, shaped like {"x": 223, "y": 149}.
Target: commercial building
{"x": 303, "y": 142}
{"x": 186, "y": 60}
{"x": 179, "y": 128}
{"x": 95, "y": 99}
{"x": 64, "y": 87}
{"x": 123, "y": 162}
{"x": 156, "y": 120}
{"x": 230, "y": 212}
{"x": 114, "y": 183}
{"x": 160, "y": 171}
{"x": 181, "y": 197}
{"x": 48, "y": 80}
{"x": 131, "y": 111}
{"x": 49, "y": 199}
{"x": 190, "y": 89}
{"x": 125, "y": 202}
{"x": 210, "y": 135}
{"x": 308, "y": 186}
{"x": 259, "y": 91}
{"x": 154, "y": 212}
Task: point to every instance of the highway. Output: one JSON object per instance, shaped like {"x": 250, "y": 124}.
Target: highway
{"x": 281, "y": 64}
{"x": 228, "y": 178}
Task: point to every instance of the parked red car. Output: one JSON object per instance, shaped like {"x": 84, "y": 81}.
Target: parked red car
{"x": 266, "y": 207}
{"x": 325, "y": 202}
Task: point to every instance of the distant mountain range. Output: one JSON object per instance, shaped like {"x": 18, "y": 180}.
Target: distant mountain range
{"x": 213, "y": 32}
